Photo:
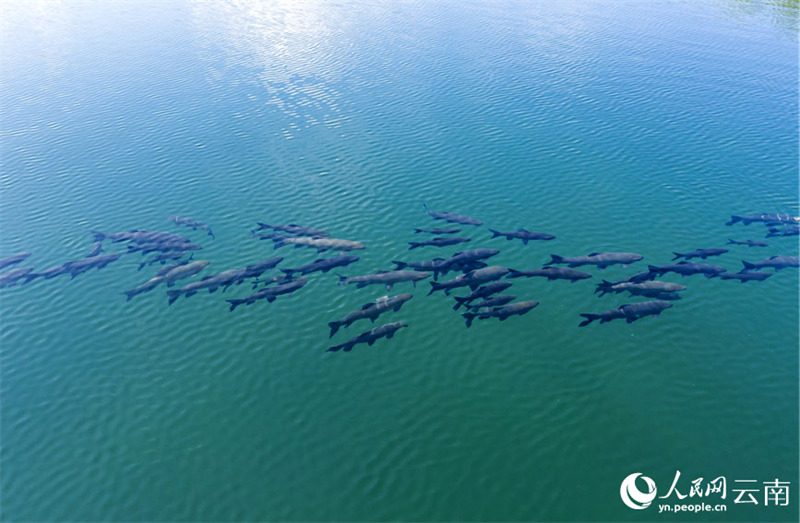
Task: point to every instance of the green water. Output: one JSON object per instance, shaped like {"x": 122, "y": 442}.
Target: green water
{"x": 617, "y": 126}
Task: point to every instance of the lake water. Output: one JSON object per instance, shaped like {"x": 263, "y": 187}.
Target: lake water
{"x": 617, "y": 126}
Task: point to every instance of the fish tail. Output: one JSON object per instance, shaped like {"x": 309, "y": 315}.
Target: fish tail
{"x": 677, "y": 255}
{"x": 130, "y": 295}
{"x": 342, "y": 279}
{"x": 731, "y": 242}
{"x": 459, "y": 303}
{"x": 262, "y": 226}
{"x": 495, "y": 234}
{"x": 469, "y": 316}
{"x": 174, "y": 295}
{"x": 513, "y": 273}
{"x": 589, "y": 319}
{"x": 748, "y": 266}
{"x": 414, "y": 245}
{"x": 555, "y": 259}
{"x": 734, "y": 219}
{"x": 435, "y": 287}
{"x": 400, "y": 265}
{"x": 335, "y": 348}
{"x": 98, "y": 236}
{"x": 334, "y": 325}
{"x": 288, "y": 272}
{"x": 235, "y": 303}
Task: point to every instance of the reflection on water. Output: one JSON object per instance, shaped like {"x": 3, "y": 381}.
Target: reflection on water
{"x": 296, "y": 50}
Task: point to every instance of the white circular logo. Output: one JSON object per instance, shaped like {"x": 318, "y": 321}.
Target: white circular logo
{"x": 635, "y": 498}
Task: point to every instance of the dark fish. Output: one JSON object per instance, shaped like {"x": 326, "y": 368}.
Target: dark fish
{"x": 452, "y": 218}
{"x": 459, "y": 281}
{"x": 494, "y": 301}
{"x": 12, "y": 277}
{"x": 552, "y": 273}
{"x": 685, "y": 268}
{"x": 322, "y": 265}
{"x": 52, "y": 272}
{"x": 139, "y": 236}
{"x": 184, "y": 271}
{"x": 468, "y": 266}
{"x": 786, "y": 231}
{"x": 425, "y": 265}
{"x": 270, "y": 293}
{"x": 523, "y": 235}
{"x": 384, "y": 331}
{"x": 631, "y": 312}
{"x": 776, "y": 262}
{"x": 604, "y": 317}
{"x": 765, "y": 218}
{"x": 95, "y": 262}
{"x": 294, "y": 230}
{"x": 145, "y": 287}
{"x": 502, "y": 313}
{"x": 745, "y": 276}
{"x": 482, "y": 292}
{"x": 257, "y": 269}
{"x": 163, "y": 258}
{"x": 699, "y": 253}
{"x": 751, "y": 243}
{"x": 13, "y": 260}
{"x": 600, "y": 259}
{"x": 647, "y": 288}
{"x": 320, "y": 244}
{"x": 388, "y": 278}
{"x": 166, "y": 246}
{"x": 189, "y": 222}
{"x": 438, "y": 242}
{"x": 371, "y": 311}
{"x": 438, "y": 231}
{"x": 211, "y": 283}
{"x": 461, "y": 258}
{"x": 480, "y": 276}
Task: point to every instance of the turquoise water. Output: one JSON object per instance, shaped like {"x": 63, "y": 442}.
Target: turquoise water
{"x": 617, "y": 126}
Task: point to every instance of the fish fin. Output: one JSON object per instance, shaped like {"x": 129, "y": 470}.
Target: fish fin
{"x": 748, "y": 266}
{"x": 414, "y": 245}
{"x": 495, "y": 234}
{"x": 234, "y": 304}
{"x": 630, "y": 319}
{"x": 335, "y": 348}
{"x": 342, "y": 279}
{"x": 734, "y": 219}
{"x": 271, "y": 299}
{"x": 174, "y": 295}
{"x": 589, "y": 319}
{"x": 371, "y": 342}
{"x": 593, "y": 254}
{"x": 555, "y": 259}
{"x": 469, "y": 316}
{"x": 400, "y": 265}
{"x": 459, "y": 303}
{"x": 524, "y": 241}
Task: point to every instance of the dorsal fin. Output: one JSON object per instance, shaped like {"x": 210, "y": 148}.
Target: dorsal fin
{"x": 593, "y": 254}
